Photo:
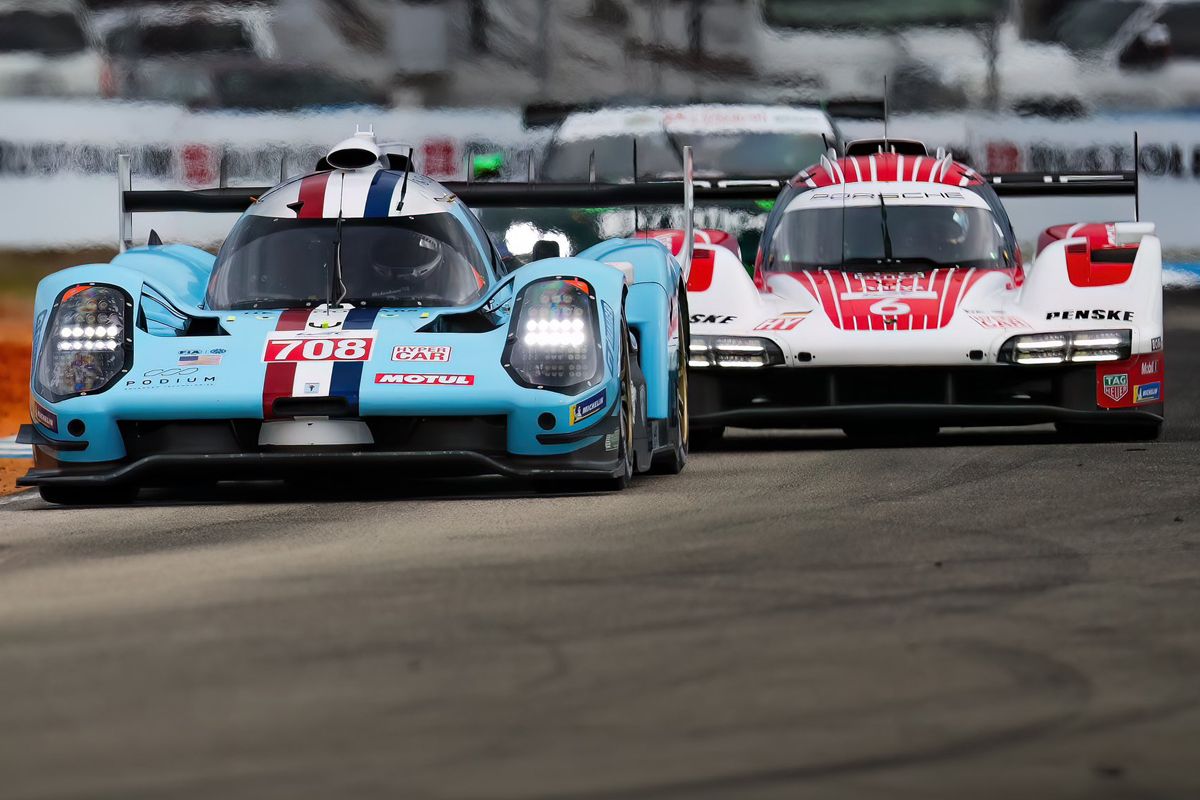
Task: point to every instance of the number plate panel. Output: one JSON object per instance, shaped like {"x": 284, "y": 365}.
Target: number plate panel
{"x": 303, "y": 346}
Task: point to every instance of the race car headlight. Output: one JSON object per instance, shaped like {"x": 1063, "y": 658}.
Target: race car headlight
{"x": 733, "y": 352}
{"x": 554, "y": 338}
{"x": 86, "y": 346}
{"x": 1076, "y": 347}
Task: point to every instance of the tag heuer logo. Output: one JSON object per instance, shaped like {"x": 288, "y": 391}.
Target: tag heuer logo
{"x": 1116, "y": 386}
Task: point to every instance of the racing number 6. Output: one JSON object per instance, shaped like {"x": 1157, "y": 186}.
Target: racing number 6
{"x": 891, "y": 307}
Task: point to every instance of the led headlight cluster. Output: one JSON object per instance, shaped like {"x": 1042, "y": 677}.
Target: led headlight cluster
{"x": 1076, "y": 347}
{"x": 733, "y": 351}
{"x": 554, "y": 341}
{"x": 85, "y": 346}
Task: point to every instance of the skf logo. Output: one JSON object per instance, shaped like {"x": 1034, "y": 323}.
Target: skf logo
{"x": 421, "y": 352}
{"x": 1116, "y": 386}
{"x": 717, "y": 319}
{"x": 425, "y": 380}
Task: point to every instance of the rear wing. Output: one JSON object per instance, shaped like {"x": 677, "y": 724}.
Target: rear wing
{"x": 685, "y": 192}
{"x": 1041, "y": 184}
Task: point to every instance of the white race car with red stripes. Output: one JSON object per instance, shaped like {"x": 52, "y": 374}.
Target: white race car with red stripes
{"x": 889, "y": 295}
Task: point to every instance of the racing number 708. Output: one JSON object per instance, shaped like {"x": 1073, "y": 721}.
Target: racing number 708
{"x": 340, "y": 349}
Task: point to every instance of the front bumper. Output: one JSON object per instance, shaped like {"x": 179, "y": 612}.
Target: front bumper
{"x": 182, "y": 452}
{"x": 783, "y": 397}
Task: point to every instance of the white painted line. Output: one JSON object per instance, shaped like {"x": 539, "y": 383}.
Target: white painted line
{"x": 24, "y": 494}
{"x": 10, "y": 449}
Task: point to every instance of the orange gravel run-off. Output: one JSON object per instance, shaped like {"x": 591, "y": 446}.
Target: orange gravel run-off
{"x": 15, "y": 334}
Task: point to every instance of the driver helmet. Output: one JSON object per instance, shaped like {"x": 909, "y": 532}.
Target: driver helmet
{"x": 947, "y": 233}
{"x": 407, "y": 260}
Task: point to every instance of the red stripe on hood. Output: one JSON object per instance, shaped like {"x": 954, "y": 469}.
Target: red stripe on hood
{"x": 280, "y": 376}
{"x": 312, "y": 196}
{"x": 864, "y": 301}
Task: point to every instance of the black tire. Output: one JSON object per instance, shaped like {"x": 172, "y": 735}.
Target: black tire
{"x": 88, "y": 496}
{"x": 674, "y": 460}
{"x": 626, "y": 417}
{"x": 1113, "y": 432}
{"x": 706, "y": 438}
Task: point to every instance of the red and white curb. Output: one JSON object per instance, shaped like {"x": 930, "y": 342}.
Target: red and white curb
{"x": 10, "y": 449}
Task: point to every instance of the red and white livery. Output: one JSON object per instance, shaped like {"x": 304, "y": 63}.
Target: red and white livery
{"x": 889, "y": 294}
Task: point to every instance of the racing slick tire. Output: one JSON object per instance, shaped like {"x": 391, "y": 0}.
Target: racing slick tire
{"x": 673, "y": 461}
{"x": 625, "y": 450}
{"x": 628, "y": 414}
{"x": 1122, "y": 432}
{"x": 86, "y": 496}
{"x": 706, "y": 438}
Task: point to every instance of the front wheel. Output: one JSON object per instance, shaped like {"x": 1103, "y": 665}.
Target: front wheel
{"x": 625, "y": 424}
{"x": 88, "y": 496}
{"x": 626, "y": 416}
{"x": 673, "y": 461}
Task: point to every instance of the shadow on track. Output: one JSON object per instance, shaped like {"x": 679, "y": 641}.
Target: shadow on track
{"x": 818, "y": 440}
{"x": 378, "y": 491}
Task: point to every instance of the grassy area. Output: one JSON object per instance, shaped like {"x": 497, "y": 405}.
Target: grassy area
{"x": 21, "y": 271}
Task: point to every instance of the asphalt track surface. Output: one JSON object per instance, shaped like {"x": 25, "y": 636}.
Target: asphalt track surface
{"x": 998, "y": 615}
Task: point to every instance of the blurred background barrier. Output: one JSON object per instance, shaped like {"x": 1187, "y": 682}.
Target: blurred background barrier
{"x": 191, "y": 87}
{"x": 60, "y": 156}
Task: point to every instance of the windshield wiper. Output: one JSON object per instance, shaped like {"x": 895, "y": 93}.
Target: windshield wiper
{"x": 336, "y": 279}
{"x": 887, "y": 237}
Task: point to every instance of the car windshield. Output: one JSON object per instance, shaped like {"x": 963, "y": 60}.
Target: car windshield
{"x": 423, "y": 260}
{"x": 288, "y": 89}
{"x": 1091, "y": 25}
{"x": 660, "y": 155}
{"x": 835, "y": 238}
{"x": 196, "y": 37}
{"x": 31, "y": 32}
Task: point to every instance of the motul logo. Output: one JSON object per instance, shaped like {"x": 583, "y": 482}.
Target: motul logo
{"x": 425, "y": 380}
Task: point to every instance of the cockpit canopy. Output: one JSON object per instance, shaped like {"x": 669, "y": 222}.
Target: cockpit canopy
{"x": 865, "y": 229}
{"x": 420, "y": 260}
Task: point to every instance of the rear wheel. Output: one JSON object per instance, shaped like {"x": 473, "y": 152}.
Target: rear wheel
{"x": 88, "y": 496}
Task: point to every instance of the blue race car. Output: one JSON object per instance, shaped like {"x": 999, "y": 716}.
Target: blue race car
{"x": 359, "y": 319}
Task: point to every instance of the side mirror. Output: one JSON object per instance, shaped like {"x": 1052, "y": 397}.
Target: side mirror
{"x": 486, "y": 165}
{"x": 1149, "y": 50}
{"x": 545, "y": 248}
